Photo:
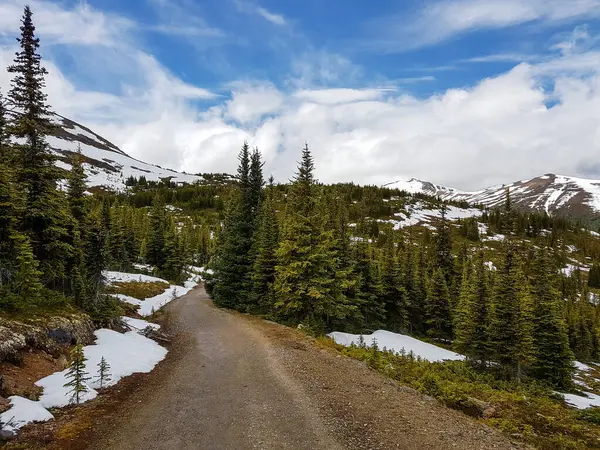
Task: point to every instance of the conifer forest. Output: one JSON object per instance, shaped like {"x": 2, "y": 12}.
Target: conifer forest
{"x": 502, "y": 287}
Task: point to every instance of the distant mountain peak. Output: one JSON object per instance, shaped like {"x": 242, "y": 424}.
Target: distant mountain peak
{"x": 106, "y": 165}
{"x": 555, "y": 194}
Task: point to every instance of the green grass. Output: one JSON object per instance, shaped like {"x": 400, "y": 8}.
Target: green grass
{"x": 529, "y": 411}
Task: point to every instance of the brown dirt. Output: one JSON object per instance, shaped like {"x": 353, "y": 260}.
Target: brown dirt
{"x": 19, "y": 380}
{"x": 233, "y": 381}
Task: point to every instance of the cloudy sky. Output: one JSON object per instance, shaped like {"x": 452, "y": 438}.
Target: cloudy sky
{"x": 466, "y": 93}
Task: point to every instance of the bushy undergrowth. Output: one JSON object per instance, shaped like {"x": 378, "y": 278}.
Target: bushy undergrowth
{"x": 528, "y": 410}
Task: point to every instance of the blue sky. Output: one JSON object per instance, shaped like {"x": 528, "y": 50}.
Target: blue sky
{"x": 461, "y": 92}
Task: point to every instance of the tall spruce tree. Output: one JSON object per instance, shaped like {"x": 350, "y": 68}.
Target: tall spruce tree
{"x": 233, "y": 262}
{"x": 266, "y": 241}
{"x": 470, "y": 318}
{"x": 45, "y": 218}
{"x": 553, "y": 357}
{"x": 76, "y": 189}
{"x": 439, "y": 325}
{"x": 156, "y": 233}
{"x": 511, "y": 317}
{"x": 309, "y": 283}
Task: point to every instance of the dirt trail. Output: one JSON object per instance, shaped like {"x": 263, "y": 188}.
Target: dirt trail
{"x": 237, "y": 382}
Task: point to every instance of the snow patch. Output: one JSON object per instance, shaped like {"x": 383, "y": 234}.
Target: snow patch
{"x": 396, "y": 342}
{"x": 22, "y": 412}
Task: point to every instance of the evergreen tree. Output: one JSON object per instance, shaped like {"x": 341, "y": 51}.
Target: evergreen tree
{"x": 104, "y": 375}
{"x": 309, "y": 284}
{"x": 95, "y": 254}
{"x": 76, "y": 189}
{"x": 174, "y": 265}
{"x": 5, "y": 148}
{"x": 256, "y": 182}
{"x": 26, "y": 279}
{"x": 436, "y": 304}
{"x": 44, "y": 214}
{"x": 156, "y": 233}
{"x": 470, "y": 318}
{"x": 370, "y": 288}
{"x": 511, "y": 317}
{"x": 553, "y": 357}
{"x": 8, "y": 222}
{"x": 266, "y": 241}
{"x": 234, "y": 260}
{"x": 77, "y": 375}
{"x": 393, "y": 292}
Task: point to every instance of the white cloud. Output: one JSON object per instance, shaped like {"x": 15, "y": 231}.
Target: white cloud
{"x": 81, "y": 25}
{"x": 496, "y": 131}
{"x": 276, "y": 19}
{"x": 441, "y": 20}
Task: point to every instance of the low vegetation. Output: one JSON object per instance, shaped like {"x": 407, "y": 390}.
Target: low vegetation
{"x": 529, "y": 410}
{"x": 138, "y": 289}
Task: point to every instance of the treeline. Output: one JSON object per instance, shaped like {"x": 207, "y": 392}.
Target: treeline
{"x": 55, "y": 242}
{"x": 287, "y": 252}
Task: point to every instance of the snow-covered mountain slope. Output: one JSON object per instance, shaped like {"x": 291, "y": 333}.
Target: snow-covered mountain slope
{"x": 556, "y": 194}
{"x": 105, "y": 164}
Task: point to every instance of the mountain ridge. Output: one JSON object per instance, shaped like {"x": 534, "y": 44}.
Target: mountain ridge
{"x": 555, "y": 194}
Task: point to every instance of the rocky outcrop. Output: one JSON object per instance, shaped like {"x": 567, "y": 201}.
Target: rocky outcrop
{"x": 44, "y": 333}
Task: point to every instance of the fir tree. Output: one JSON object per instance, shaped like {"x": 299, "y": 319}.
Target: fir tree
{"x": 77, "y": 187}
{"x": 511, "y": 317}
{"x": 437, "y": 309}
{"x": 44, "y": 214}
{"x": 104, "y": 375}
{"x": 5, "y": 153}
{"x": 256, "y": 182}
{"x": 26, "y": 279}
{"x": 309, "y": 284}
{"x": 156, "y": 233}
{"x": 77, "y": 375}
{"x": 233, "y": 262}
{"x": 470, "y": 318}
{"x": 95, "y": 254}
{"x": 174, "y": 265}
{"x": 553, "y": 357}
{"x": 266, "y": 241}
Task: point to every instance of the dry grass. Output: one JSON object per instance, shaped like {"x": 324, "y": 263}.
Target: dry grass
{"x": 137, "y": 289}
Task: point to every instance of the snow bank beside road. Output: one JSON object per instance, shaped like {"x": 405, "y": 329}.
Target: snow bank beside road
{"x": 396, "y": 342}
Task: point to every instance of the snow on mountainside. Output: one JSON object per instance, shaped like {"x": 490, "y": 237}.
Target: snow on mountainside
{"x": 556, "y": 194}
{"x": 105, "y": 164}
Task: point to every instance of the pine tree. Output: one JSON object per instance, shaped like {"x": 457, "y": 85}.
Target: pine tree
{"x": 256, "y": 182}
{"x": 553, "y": 357}
{"x": 8, "y": 222}
{"x": 511, "y": 317}
{"x": 95, "y": 254}
{"x": 234, "y": 260}
{"x": 370, "y": 289}
{"x": 437, "y": 307}
{"x": 26, "y": 280}
{"x": 104, "y": 375}
{"x": 470, "y": 318}
{"x": 393, "y": 293}
{"x": 174, "y": 265}
{"x": 76, "y": 188}
{"x": 77, "y": 375}
{"x": 156, "y": 233}
{"x": 309, "y": 284}
{"x": 5, "y": 147}
{"x": 266, "y": 241}
{"x": 44, "y": 219}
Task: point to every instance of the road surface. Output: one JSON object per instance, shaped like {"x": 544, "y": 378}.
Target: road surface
{"x": 237, "y": 382}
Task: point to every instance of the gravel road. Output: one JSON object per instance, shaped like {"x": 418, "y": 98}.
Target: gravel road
{"x": 237, "y": 382}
